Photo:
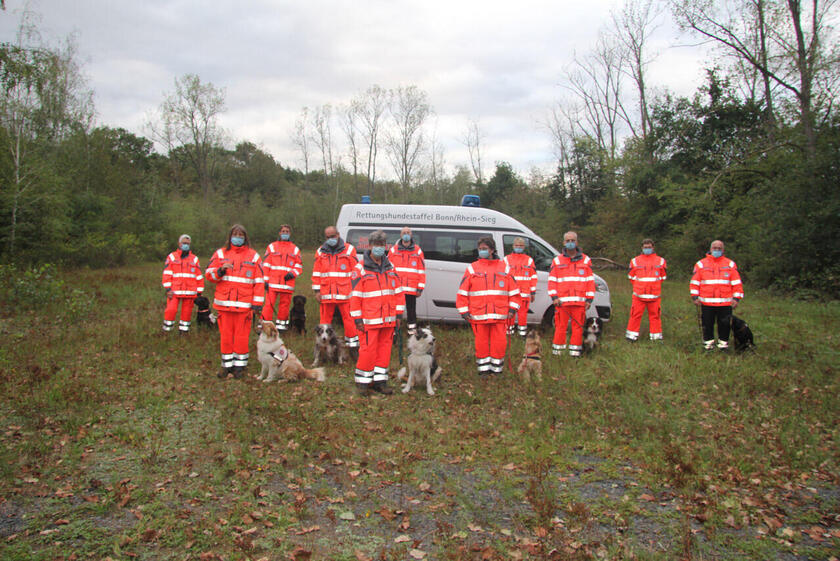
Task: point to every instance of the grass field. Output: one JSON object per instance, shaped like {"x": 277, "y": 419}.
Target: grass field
{"x": 118, "y": 441}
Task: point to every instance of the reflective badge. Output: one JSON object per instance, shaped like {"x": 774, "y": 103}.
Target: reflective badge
{"x": 343, "y": 266}
{"x": 414, "y": 263}
{"x": 581, "y": 272}
{"x": 393, "y": 284}
{"x": 726, "y": 275}
{"x": 501, "y": 284}
{"x": 248, "y": 274}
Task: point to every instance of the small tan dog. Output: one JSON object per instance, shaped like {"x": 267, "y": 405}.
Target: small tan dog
{"x": 532, "y": 360}
{"x": 278, "y": 363}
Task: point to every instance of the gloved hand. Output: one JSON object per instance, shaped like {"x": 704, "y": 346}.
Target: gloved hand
{"x": 289, "y": 276}
{"x": 466, "y": 316}
{"x": 511, "y": 313}
{"x": 360, "y": 326}
{"x": 257, "y": 310}
{"x": 419, "y": 292}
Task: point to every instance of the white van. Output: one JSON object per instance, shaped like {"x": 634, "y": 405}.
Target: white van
{"x": 448, "y": 236}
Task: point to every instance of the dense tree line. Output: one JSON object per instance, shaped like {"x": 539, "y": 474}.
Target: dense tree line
{"x": 755, "y": 166}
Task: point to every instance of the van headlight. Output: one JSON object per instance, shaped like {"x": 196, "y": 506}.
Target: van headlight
{"x": 601, "y": 286}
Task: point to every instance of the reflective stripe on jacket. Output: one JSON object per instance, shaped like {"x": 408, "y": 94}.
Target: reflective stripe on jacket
{"x": 333, "y": 271}
{"x": 571, "y": 280}
{"x": 409, "y": 264}
{"x": 182, "y": 275}
{"x": 241, "y": 287}
{"x": 524, "y": 272}
{"x": 716, "y": 281}
{"x": 377, "y": 297}
{"x": 487, "y": 291}
{"x": 647, "y": 273}
{"x": 280, "y": 259}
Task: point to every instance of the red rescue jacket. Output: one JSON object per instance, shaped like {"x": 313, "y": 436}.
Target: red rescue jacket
{"x": 571, "y": 280}
{"x": 182, "y": 275}
{"x": 716, "y": 281}
{"x": 524, "y": 272}
{"x": 241, "y": 287}
{"x": 333, "y": 271}
{"x": 377, "y": 297}
{"x": 280, "y": 259}
{"x": 488, "y": 291}
{"x": 409, "y": 265}
{"x": 647, "y": 273}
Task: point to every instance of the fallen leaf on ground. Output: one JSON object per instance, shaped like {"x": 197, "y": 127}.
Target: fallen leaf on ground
{"x": 417, "y": 553}
{"x": 402, "y": 538}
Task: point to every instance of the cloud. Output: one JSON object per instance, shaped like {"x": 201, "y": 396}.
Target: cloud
{"x": 500, "y": 62}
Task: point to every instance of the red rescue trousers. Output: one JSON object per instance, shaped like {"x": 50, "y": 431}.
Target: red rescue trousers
{"x": 637, "y": 309}
{"x": 172, "y": 310}
{"x": 374, "y": 354}
{"x": 490, "y": 346}
{"x": 521, "y": 317}
{"x": 283, "y": 300}
{"x": 562, "y": 315}
{"x": 234, "y": 329}
{"x": 351, "y": 336}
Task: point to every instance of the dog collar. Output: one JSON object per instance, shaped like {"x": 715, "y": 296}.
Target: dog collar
{"x": 532, "y": 357}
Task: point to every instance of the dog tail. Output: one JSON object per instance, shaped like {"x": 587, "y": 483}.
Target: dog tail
{"x": 401, "y": 374}
{"x": 318, "y": 374}
{"x": 436, "y": 374}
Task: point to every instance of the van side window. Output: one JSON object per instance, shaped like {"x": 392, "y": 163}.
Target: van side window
{"x": 358, "y": 238}
{"x": 460, "y": 247}
{"x": 541, "y": 255}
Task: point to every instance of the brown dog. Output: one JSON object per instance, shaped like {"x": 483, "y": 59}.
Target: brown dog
{"x": 278, "y": 363}
{"x": 532, "y": 360}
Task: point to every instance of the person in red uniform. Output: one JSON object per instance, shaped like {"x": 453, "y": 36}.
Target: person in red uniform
{"x": 571, "y": 286}
{"x": 487, "y": 298}
{"x": 183, "y": 281}
{"x": 282, "y": 265}
{"x": 376, "y": 304}
{"x": 646, "y": 272}
{"x": 524, "y": 272}
{"x": 237, "y": 272}
{"x": 332, "y": 272}
{"x": 407, "y": 259}
{"x": 716, "y": 289}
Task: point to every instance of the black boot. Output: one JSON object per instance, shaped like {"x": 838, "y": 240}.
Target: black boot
{"x": 238, "y": 372}
{"x": 382, "y": 387}
{"x": 363, "y": 389}
{"x": 224, "y": 371}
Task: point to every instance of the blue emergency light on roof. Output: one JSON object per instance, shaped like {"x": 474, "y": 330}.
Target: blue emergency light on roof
{"x": 470, "y": 200}
{"x": 365, "y": 199}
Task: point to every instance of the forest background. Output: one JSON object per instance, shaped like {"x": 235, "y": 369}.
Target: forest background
{"x": 752, "y": 158}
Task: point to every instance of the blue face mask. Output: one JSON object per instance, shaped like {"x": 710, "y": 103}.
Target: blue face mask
{"x": 647, "y": 250}
{"x": 406, "y": 238}
{"x": 237, "y": 240}
{"x": 518, "y": 249}
{"x": 483, "y": 253}
{"x": 377, "y": 250}
{"x": 716, "y": 253}
{"x": 332, "y": 242}
{"x": 570, "y": 245}
{"x": 284, "y": 237}
{"x": 185, "y": 247}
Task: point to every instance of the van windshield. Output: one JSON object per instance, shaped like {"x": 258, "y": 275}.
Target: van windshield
{"x": 541, "y": 255}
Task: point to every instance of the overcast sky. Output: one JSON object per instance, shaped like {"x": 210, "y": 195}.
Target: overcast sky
{"x": 500, "y": 63}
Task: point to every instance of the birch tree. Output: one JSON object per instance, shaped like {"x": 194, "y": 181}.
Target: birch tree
{"x": 409, "y": 110}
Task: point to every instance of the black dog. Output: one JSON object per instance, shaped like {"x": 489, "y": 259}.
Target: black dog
{"x": 297, "y": 316}
{"x": 742, "y": 333}
{"x": 203, "y": 316}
